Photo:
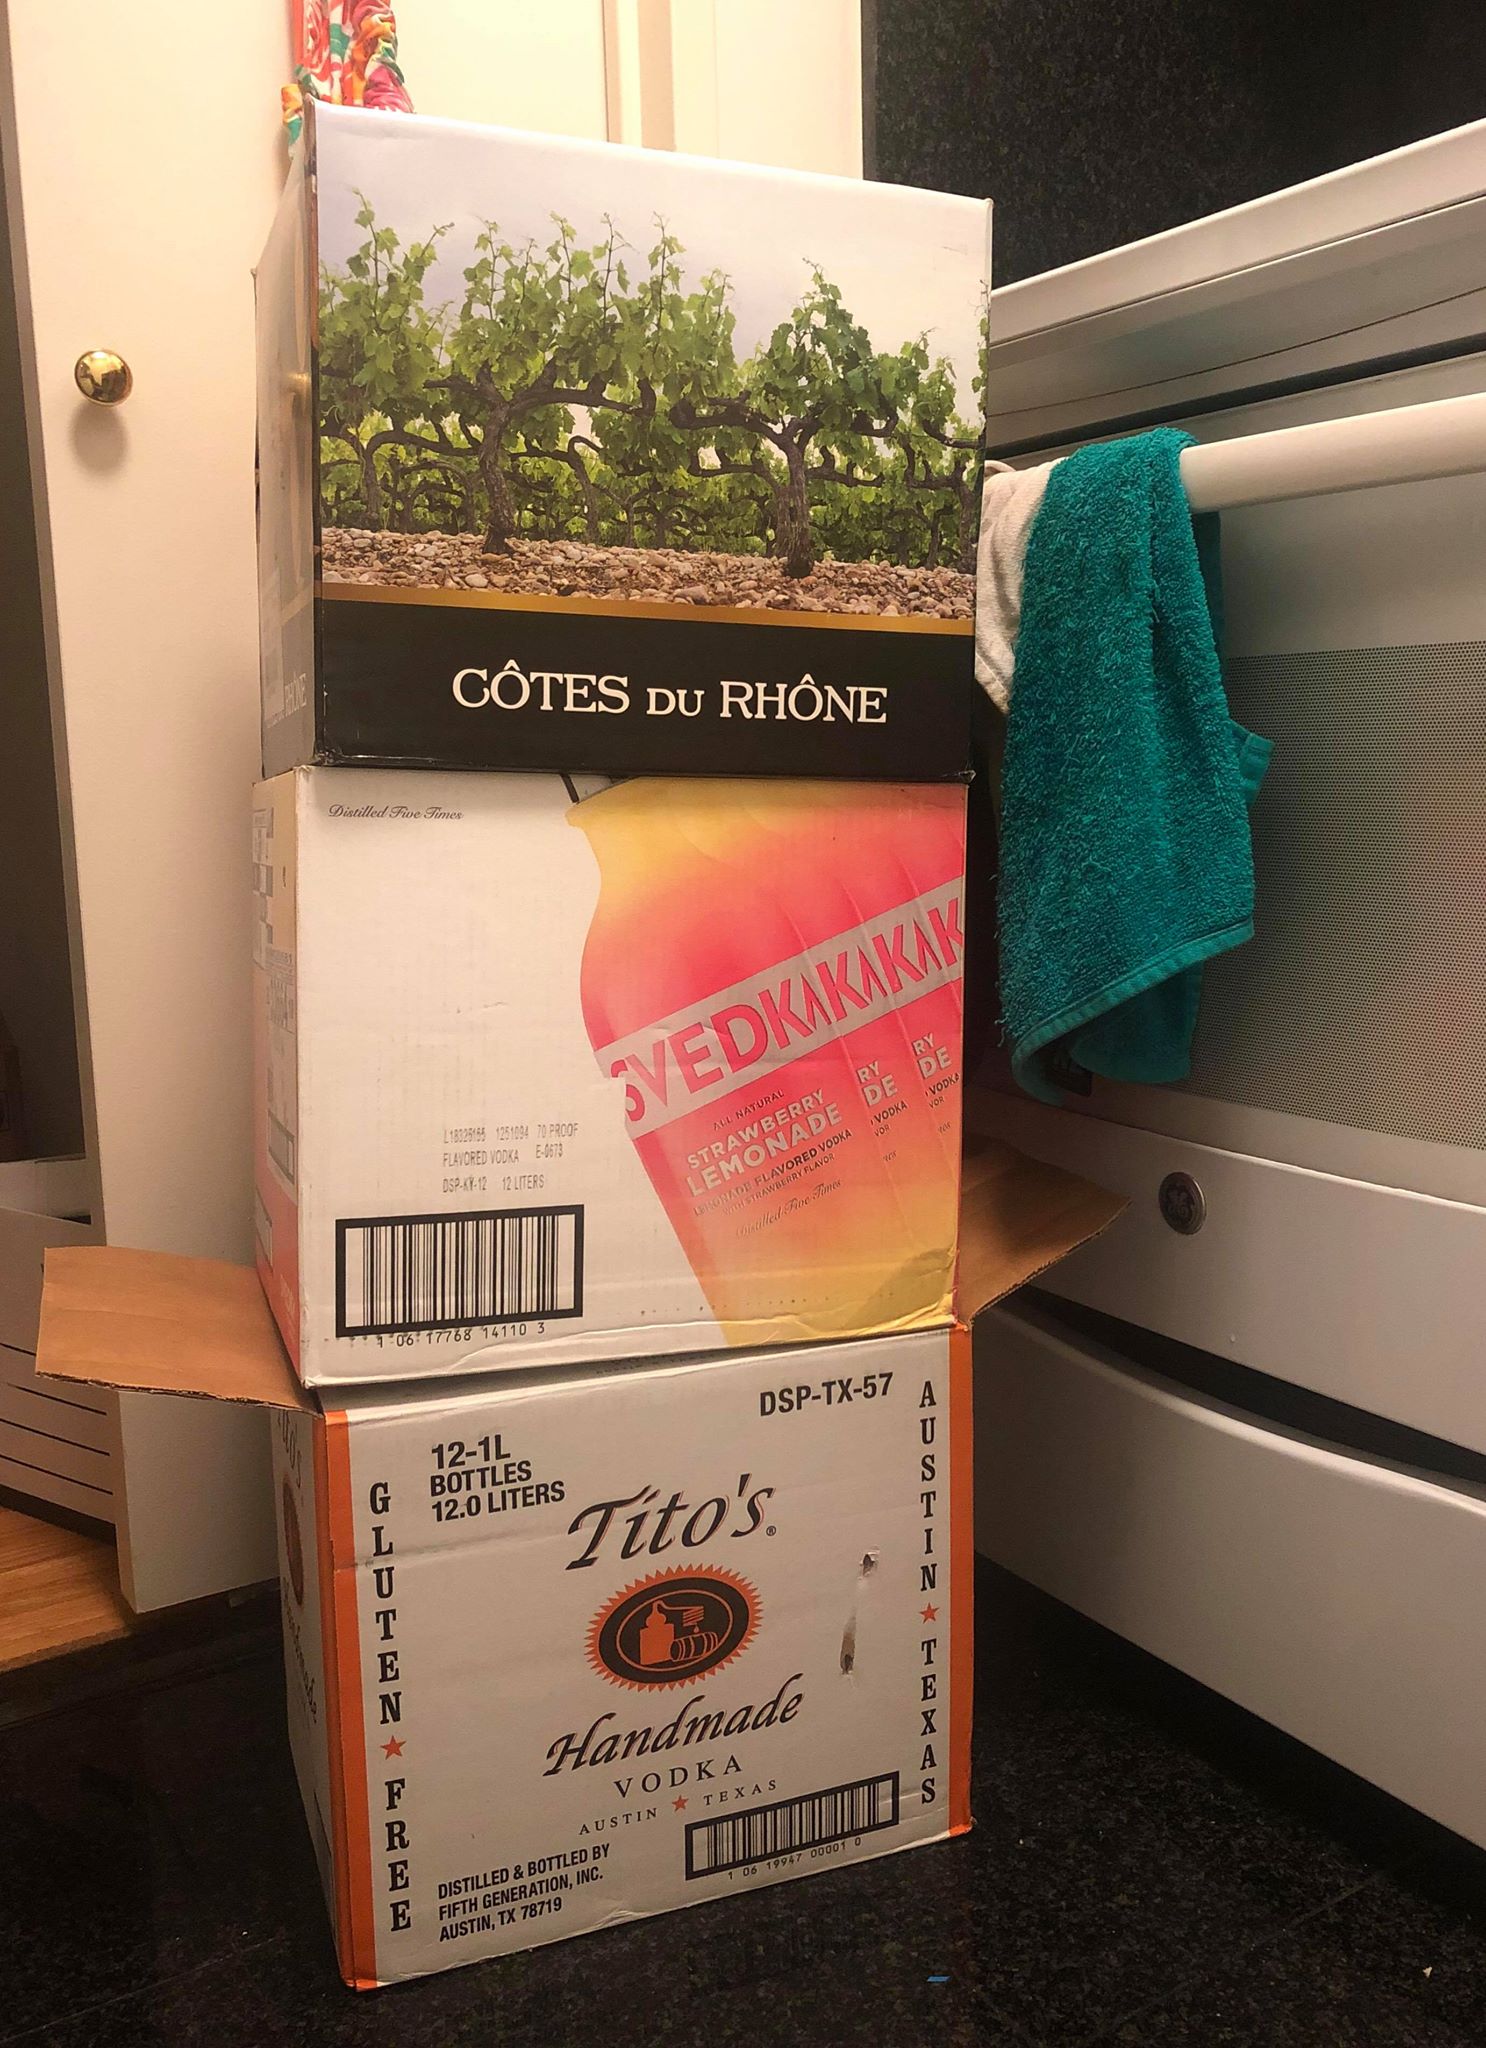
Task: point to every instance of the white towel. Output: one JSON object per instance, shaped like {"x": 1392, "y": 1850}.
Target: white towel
{"x": 1009, "y": 502}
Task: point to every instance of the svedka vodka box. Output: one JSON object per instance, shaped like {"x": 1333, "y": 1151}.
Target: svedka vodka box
{"x": 550, "y": 1073}
{"x": 573, "y": 456}
{"x": 566, "y": 1650}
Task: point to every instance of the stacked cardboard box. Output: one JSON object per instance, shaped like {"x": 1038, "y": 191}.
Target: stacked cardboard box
{"x": 650, "y": 1056}
{"x": 608, "y": 1087}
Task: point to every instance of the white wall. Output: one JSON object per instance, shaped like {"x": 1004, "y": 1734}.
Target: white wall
{"x": 789, "y": 85}
{"x": 765, "y": 81}
{"x": 512, "y": 62}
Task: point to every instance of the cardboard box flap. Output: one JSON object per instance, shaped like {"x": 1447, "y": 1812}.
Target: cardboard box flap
{"x": 152, "y": 1322}
{"x": 155, "y": 1323}
{"x": 1017, "y": 1218}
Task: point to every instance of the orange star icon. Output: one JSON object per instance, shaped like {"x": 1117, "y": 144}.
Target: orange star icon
{"x": 928, "y": 1614}
{"x": 392, "y": 1747}
{"x": 678, "y": 1805}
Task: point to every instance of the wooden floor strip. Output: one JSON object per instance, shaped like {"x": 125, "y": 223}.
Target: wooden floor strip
{"x": 59, "y": 1591}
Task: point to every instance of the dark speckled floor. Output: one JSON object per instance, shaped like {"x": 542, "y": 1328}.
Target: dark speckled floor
{"x": 1150, "y": 1867}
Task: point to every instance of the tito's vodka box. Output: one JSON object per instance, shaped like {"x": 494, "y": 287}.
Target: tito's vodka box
{"x": 566, "y": 1649}
{"x": 550, "y": 1075}
{"x": 564, "y": 1652}
{"x": 574, "y": 456}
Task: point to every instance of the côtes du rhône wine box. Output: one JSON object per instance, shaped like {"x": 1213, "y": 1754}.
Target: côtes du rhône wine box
{"x": 573, "y": 456}
{"x": 553, "y": 1071}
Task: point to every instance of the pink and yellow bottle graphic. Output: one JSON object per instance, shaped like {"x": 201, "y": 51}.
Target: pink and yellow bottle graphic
{"x": 774, "y": 972}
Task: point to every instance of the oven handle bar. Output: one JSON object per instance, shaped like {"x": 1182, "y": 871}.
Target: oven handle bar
{"x": 1409, "y": 444}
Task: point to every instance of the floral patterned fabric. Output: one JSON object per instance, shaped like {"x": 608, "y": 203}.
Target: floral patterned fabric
{"x": 346, "y": 53}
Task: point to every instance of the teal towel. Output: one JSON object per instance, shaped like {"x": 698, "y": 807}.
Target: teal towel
{"x": 1125, "y": 853}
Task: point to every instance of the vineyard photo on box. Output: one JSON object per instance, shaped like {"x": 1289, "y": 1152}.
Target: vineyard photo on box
{"x": 545, "y": 368}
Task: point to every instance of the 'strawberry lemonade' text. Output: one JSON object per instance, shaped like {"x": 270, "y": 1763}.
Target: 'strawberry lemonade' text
{"x": 806, "y": 1111}
{"x": 698, "y": 1055}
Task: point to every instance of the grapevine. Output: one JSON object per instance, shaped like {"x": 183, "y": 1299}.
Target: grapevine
{"x": 581, "y": 391}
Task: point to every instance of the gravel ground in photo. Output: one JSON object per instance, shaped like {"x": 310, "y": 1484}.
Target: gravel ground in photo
{"x": 647, "y": 575}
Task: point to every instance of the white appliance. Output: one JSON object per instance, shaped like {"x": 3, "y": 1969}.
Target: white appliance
{"x": 1330, "y": 1144}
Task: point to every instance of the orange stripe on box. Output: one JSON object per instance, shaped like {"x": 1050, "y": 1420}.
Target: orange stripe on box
{"x": 334, "y": 1745}
{"x": 962, "y": 1575}
{"x": 359, "y": 1955}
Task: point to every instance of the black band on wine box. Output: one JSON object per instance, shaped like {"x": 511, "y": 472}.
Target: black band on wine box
{"x": 415, "y": 683}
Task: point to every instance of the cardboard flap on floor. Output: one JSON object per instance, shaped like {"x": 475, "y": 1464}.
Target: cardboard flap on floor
{"x": 153, "y": 1322}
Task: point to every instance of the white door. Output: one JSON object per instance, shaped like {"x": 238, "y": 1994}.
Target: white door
{"x": 141, "y": 171}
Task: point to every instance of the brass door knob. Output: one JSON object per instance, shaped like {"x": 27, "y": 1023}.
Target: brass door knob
{"x": 103, "y": 376}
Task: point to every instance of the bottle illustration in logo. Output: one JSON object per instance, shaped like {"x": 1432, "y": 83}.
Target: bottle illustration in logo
{"x": 774, "y": 973}
{"x": 657, "y": 1637}
{"x": 680, "y": 1637}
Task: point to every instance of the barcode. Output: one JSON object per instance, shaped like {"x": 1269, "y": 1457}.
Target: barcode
{"x": 764, "y": 1831}
{"x": 402, "y": 1273}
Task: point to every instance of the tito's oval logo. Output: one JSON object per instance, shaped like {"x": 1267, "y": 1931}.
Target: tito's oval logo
{"x": 673, "y": 1627}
